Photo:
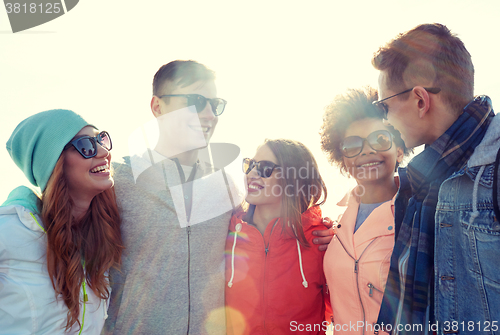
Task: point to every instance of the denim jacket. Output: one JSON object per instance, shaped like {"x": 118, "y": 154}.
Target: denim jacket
{"x": 467, "y": 246}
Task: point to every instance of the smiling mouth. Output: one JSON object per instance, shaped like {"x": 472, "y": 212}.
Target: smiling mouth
{"x": 204, "y": 130}
{"x": 100, "y": 169}
{"x": 254, "y": 187}
{"x": 370, "y": 164}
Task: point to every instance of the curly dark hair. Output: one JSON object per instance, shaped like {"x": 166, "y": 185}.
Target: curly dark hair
{"x": 345, "y": 109}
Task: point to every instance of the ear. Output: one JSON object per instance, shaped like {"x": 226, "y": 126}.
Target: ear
{"x": 399, "y": 154}
{"x": 155, "y": 106}
{"x": 423, "y": 100}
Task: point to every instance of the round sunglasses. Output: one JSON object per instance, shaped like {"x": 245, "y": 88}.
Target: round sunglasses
{"x": 264, "y": 168}
{"x": 87, "y": 145}
{"x": 379, "y": 140}
{"x": 200, "y": 102}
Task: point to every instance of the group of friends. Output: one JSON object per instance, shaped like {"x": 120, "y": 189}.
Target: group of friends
{"x": 164, "y": 243}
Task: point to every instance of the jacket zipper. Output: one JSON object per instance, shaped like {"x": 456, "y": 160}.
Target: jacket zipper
{"x": 188, "y": 230}
{"x": 266, "y": 250}
{"x": 372, "y": 287}
{"x": 356, "y": 261}
{"x": 188, "y": 277}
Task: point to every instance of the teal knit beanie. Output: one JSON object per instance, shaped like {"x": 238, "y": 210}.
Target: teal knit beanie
{"x": 38, "y": 141}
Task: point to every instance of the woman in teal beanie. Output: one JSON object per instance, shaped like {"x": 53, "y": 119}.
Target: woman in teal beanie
{"x": 56, "y": 249}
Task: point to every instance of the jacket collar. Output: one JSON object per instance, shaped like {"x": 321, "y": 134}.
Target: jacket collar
{"x": 485, "y": 153}
{"x": 451, "y": 150}
{"x": 29, "y": 219}
{"x": 376, "y": 223}
{"x": 311, "y": 217}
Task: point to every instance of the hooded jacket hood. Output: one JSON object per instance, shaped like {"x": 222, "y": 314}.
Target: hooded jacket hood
{"x": 23, "y": 196}
{"x": 311, "y": 217}
{"x": 485, "y": 153}
{"x": 22, "y": 202}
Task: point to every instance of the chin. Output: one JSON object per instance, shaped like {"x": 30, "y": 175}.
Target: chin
{"x": 252, "y": 200}
{"x": 105, "y": 186}
{"x": 198, "y": 143}
{"x": 249, "y": 200}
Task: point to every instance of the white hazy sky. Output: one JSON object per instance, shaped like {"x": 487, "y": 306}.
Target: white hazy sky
{"x": 278, "y": 63}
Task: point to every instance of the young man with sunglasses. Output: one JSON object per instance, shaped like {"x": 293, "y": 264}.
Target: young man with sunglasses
{"x": 176, "y": 209}
{"x": 443, "y": 275}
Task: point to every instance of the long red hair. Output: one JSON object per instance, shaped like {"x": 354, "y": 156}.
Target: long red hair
{"x": 94, "y": 240}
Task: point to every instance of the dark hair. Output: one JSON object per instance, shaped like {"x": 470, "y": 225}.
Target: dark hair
{"x": 96, "y": 238}
{"x": 180, "y": 73}
{"x": 345, "y": 109}
{"x": 429, "y": 52}
{"x": 295, "y": 160}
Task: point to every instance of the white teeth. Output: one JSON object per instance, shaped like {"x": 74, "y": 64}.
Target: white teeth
{"x": 370, "y": 164}
{"x": 254, "y": 187}
{"x": 99, "y": 168}
{"x": 202, "y": 129}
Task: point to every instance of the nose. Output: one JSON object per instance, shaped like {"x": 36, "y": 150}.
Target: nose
{"x": 207, "y": 113}
{"x": 366, "y": 149}
{"x": 102, "y": 152}
{"x": 253, "y": 174}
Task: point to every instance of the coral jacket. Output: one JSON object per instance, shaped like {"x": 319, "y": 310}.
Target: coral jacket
{"x": 356, "y": 266}
{"x": 274, "y": 285}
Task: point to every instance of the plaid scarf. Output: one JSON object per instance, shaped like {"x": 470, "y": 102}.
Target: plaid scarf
{"x": 411, "y": 302}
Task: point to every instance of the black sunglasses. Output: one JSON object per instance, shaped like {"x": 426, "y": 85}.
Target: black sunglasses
{"x": 87, "y": 145}
{"x": 264, "y": 168}
{"x": 385, "y": 109}
{"x": 200, "y": 102}
{"x": 379, "y": 140}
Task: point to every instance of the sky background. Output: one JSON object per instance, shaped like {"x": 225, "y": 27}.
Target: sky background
{"x": 278, "y": 63}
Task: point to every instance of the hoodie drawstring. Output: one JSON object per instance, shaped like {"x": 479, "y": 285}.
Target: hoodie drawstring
{"x": 475, "y": 212}
{"x": 300, "y": 264}
{"x": 238, "y": 229}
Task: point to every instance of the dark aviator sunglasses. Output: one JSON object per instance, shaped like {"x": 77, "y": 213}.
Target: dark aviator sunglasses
{"x": 264, "y": 168}
{"x": 87, "y": 145}
{"x": 200, "y": 102}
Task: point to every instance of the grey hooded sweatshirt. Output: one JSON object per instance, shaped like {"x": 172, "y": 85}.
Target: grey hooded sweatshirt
{"x": 172, "y": 275}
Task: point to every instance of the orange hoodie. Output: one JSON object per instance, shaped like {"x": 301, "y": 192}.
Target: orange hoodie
{"x": 273, "y": 284}
{"x": 356, "y": 266}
